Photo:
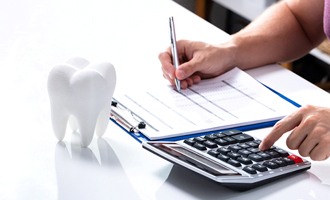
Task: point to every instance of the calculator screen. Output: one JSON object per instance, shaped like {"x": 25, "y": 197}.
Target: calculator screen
{"x": 193, "y": 158}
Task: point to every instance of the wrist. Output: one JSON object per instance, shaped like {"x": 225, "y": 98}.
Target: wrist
{"x": 228, "y": 51}
{"x": 241, "y": 48}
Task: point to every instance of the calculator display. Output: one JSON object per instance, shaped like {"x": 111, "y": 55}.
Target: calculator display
{"x": 191, "y": 157}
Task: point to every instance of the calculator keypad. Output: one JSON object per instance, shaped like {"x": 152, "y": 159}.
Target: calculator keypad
{"x": 241, "y": 150}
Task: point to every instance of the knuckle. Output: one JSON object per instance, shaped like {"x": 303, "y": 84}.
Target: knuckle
{"x": 303, "y": 152}
{"x": 310, "y": 120}
{"x": 319, "y": 133}
{"x": 160, "y": 55}
{"x": 317, "y": 156}
{"x": 290, "y": 144}
{"x": 325, "y": 138}
{"x": 277, "y": 126}
{"x": 307, "y": 108}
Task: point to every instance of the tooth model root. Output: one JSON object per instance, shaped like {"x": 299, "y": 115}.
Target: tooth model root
{"x": 81, "y": 93}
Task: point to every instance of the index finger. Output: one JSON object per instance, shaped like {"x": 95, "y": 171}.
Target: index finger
{"x": 284, "y": 125}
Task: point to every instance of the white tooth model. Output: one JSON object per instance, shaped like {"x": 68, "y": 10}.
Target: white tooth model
{"x": 81, "y": 93}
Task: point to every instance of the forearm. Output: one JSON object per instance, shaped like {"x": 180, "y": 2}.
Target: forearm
{"x": 286, "y": 31}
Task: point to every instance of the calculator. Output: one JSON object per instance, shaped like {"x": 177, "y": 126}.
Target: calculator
{"x": 231, "y": 158}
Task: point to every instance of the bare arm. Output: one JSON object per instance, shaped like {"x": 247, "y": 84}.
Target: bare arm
{"x": 284, "y": 32}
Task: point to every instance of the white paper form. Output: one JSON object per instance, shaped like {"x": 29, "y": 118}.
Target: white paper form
{"x": 231, "y": 100}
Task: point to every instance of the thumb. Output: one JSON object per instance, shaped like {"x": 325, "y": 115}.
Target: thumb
{"x": 187, "y": 69}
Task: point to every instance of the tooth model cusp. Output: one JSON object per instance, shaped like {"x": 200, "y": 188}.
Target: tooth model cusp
{"x": 81, "y": 93}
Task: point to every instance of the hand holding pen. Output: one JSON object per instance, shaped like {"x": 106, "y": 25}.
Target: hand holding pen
{"x": 186, "y": 62}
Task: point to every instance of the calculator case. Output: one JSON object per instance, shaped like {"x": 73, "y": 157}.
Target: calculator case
{"x": 233, "y": 177}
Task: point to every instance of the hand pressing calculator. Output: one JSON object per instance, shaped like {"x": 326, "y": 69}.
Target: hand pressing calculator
{"x": 231, "y": 158}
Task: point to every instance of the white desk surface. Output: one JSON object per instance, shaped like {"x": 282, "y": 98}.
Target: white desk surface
{"x": 36, "y": 35}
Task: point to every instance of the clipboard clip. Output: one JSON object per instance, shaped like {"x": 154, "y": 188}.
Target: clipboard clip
{"x": 126, "y": 118}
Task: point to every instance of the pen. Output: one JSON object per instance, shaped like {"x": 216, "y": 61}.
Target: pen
{"x": 174, "y": 52}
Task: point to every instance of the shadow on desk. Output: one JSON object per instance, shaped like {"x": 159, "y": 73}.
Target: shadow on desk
{"x": 82, "y": 174}
{"x": 301, "y": 186}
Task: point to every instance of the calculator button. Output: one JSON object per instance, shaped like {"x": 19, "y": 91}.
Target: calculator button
{"x": 230, "y": 140}
{"x": 271, "y": 164}
{"x": 200, "y": 139}
{"x": 282, "y": 152}
{"x": 213, "y": 152}
{"x": 244, "y": 152}
{"x": 257, "y": 141}
{"x": 223, "y": 157}
{"x": 273, "y": 154}
{"x": 189, "y": 141}
{"x": 220, "y": 135}
{"x": 223, "y": 150}
{"x": 231, "y": 132}
{"x": 211, "y": 137}
{"x": 243, "y": 145}
{"x": 280, "y": 162}
{"x": 254, "y": 150}
{"x": 295, "y": 158}
{"x": 259, "y": 167}
{"x": 234, "y": 162}
{"x": 221, "y": 142}
{"x": 210, "y": 144}
{"x": 233, "y": 155}
{"x": 244, "y": 160}
{"x": 288, "y": 161}
{"x": 264, "y": 155}
{"x": 249, "y": 170}
{"x": 242, "y": 138}
{"x": 200, "y": 146}
{"x": 255, "y": 157}
{"x": 252, "y": 144}
{"x": 234, "y": 148}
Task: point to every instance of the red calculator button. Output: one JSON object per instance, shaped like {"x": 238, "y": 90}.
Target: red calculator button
{"x": 295, "y": 158}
